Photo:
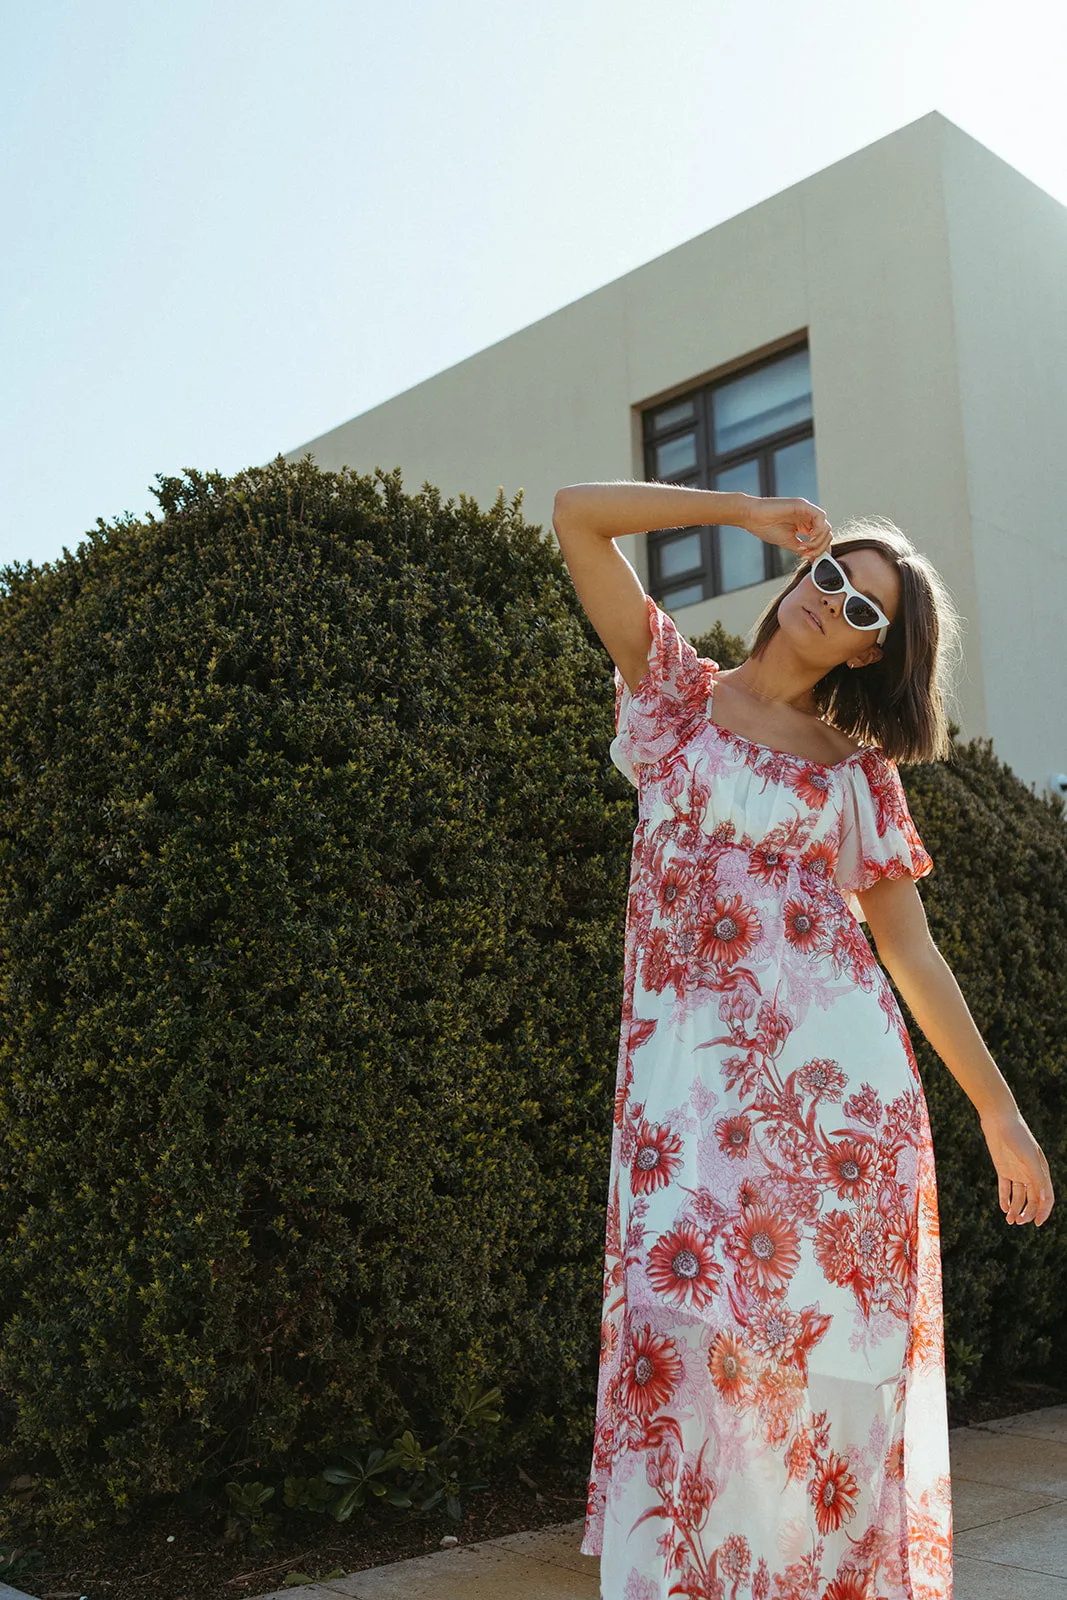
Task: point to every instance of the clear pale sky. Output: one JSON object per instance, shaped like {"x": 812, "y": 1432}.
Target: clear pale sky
{"x": 230, "y": 226}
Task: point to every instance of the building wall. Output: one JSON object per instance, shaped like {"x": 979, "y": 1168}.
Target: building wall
{"x": 1008, "y": 257}
{"x": 873, "y": 256}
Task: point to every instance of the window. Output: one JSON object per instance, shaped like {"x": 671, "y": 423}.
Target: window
{"x": 751, "y": 432}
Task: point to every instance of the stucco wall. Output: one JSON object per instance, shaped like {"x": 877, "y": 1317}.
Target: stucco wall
{"x": 1008, "y": 255}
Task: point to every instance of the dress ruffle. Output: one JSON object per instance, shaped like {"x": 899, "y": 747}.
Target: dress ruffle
{"x": 878, "y": 836}
{"x": 670, "y": 700}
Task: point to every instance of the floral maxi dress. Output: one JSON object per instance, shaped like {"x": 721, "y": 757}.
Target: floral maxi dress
{"x": 771, "y": 1420}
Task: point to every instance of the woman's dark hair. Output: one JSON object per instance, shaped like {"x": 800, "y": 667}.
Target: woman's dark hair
{"x": 897, "y": 702}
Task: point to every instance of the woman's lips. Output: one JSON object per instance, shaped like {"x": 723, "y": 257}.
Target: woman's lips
{"x": 814, "y": 618}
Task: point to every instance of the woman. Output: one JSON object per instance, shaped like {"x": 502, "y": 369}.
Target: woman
{"x": 771, "y": 1417}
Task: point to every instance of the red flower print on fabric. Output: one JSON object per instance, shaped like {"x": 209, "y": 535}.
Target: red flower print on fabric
{"x": 769, "y": 863}
{"x": 728, "y": 1363}
{"x": 735, "y": 1558}
{"x": 899, "y": 1247}
{"x": 673, "y": 888}
{"x": 833, "y": 1490}
{"x": 767, "y": 1250}
{"x": 820, "y": 859}
{"x": 824, "y": 1079}
{"x": 813, "y": 786}
{"x": 865, "y": 1106}
{"x": 651, "y": 1371}
{"x": 682, "y": 1266}
{"x": 849, "y": 1585}
{"x": 848, "y": 1168}
{"x": 656, "y": 1158}
{"x": 733, "y": 1135}
{"x": 803, "y": 924}
{"x": 730, "y": 931}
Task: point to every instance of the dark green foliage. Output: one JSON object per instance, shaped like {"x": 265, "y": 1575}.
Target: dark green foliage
{"x": 313, "y": 869}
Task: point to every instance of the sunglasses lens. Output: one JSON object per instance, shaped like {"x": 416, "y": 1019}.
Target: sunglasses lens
{"x": 859, "y": 612}
{"x": 826, "y": 576}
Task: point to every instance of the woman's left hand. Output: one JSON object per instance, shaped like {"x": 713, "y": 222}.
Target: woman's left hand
{"x": 797, "y": 525}
{"x": 1024, "y": 1178}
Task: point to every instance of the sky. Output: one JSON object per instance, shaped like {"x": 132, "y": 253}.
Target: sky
{"x": 232, "y": 226}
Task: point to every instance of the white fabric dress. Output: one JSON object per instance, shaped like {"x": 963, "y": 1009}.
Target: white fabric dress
{"x": 771, "y": 1419}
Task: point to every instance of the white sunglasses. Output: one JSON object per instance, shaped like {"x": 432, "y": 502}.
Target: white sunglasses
{"x": 829, "y": 576}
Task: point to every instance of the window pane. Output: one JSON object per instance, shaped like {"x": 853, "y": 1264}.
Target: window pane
{"x": 682, "y": 597}
{"x": 762, "y": 402}
{"x": 794, "y": 470}
{"x": 741, "y": 558}
{"x": 676, "y": 455}
{"x": 679, "y": 555}
{"x": 681, "y": 411}
{"x": 740, "y": 552}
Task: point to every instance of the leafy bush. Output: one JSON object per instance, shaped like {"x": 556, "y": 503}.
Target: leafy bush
{"x": 313, "y": 869}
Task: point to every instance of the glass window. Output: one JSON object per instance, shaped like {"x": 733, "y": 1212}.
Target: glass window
{"x": 676, "y": 455}
{"x": 679, "y": 555}
{"x": 773, "y": 397}
{"x": 673, "y": 598}
{"x": 671, "y": 416}
{"x": 794, "y": 470}
{"x": 740, "y": 552}
{"x": 752, "y": 433}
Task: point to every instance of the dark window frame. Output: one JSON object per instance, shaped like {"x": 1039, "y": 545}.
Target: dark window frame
{"x": 708, "y": 571}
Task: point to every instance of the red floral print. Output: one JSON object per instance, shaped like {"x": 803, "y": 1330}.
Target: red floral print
{"x": 733, "y": 1135}
{"x": 772, "y": 1322}
{"x": 728, "y": 1365}
{"x": 682, "y": 1266}
{"x": 655, "y": 1158}
{"x": 847, "y": 1167}
{"x": 851, "y": 1585}
{"x": 834, "y": 1490}
{"x": 803, "y": 924}
{"x": 823, "y": 1079}
{"x": 767, "y": 1249}
{"x": 730, "y": 931}
{"x": 651, "y": 1370}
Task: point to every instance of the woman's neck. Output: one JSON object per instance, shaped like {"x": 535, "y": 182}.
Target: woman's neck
{"x": 778, "y": 679}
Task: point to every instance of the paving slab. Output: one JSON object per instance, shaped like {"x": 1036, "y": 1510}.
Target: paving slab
{"x": 1036, "y": 1541}
{"x": 1049, "y": 1423}
{"x": 559, "y": 1546}
{"x": 493, "y": 1569}
{"x": 1010, "y": 1459}
{"x": 984, "y": 1580}
{"x": 974, "y": 1505}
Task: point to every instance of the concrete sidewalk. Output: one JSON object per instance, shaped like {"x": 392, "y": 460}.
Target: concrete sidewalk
{"x": 1009, "y": 1517}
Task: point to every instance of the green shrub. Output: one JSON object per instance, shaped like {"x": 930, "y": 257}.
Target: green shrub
{"x": 313, "y": 870}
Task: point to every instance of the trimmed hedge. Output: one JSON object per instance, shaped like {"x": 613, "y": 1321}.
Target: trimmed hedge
{"x": 313, "y": 871}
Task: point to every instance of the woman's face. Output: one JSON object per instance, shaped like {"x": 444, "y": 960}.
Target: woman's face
{"x": 816, "y": 621}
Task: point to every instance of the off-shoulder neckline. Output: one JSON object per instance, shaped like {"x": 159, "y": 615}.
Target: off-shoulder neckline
{"x": 791, "y": 755}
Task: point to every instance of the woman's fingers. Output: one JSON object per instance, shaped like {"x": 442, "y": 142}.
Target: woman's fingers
{"x": 812, "y": 535}
{"x": 1025, "y": 1199}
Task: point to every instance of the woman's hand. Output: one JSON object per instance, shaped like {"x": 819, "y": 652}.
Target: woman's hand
{"x": 794, "y": 525}
{"x": 1025, "y": 1182}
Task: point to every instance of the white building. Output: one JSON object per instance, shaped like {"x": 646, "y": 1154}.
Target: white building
{"x": 888, "y": 336}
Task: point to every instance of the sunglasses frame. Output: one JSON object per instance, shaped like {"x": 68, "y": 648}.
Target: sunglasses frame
{"x": 881, "y": 621}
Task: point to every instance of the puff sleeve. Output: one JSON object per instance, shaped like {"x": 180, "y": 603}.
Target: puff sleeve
{"x": 878, "y": 837}
{"x": 670, "y": 701}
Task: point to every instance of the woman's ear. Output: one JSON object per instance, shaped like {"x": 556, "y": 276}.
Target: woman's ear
{"x": 868, "y": 658}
